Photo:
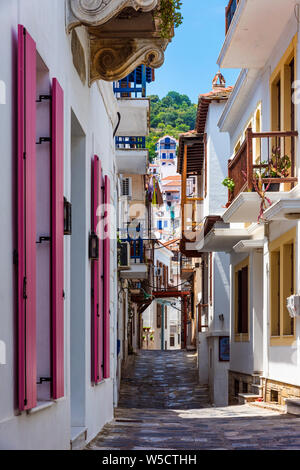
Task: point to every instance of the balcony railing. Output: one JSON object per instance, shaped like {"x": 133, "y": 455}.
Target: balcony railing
{"x": 186, "y": 263}
{"x": 135, "y": 238}
{"x": 134, "y": 85}
{"x": 229, "y": 12}
{"x": 131, "y": 142}
{"x": 265, "y": 156}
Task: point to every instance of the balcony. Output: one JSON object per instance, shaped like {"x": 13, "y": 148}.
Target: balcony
{"x": 135, "y": 117}
{"x": 138, "y": 265}
{"x": 121, "y": 34}
{"x": 131, "y": 155}
{"x": 187, "y": 268}
{"x": 134, "y": 85}
{"x": 229, "y": 13}
{"x": 190, "y": 162}
{"x": 266, "y": 158}
{"x": 253, "y": 28}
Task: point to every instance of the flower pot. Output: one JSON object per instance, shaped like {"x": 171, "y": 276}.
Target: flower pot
{"x": 273, "y": 187}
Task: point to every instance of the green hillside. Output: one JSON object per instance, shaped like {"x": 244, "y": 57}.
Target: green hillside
{"x": 172, "y": 115}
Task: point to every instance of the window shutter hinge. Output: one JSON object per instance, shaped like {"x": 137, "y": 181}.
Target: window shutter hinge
{"x": 25, "y": 288}
{"x": 63, "y": 294}
{"x": 98, "y": 311}
{"x": 15, "y": 257}
{"x": 24, "y": 155}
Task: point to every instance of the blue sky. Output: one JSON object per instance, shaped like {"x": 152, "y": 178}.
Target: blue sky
{"x": 191, "y": 57}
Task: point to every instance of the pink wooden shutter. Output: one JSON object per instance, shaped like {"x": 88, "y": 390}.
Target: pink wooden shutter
{"x": 106, "y": 303}
{"x": 27, "y": 371}
{"x": 97, "y": 311}
{"x": 57, "y": 237}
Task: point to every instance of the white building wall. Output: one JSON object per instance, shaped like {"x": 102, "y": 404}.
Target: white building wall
{"x": 95, "y": 109}
{"x": 279, "y": 363}
{"x": 217, "y": 160}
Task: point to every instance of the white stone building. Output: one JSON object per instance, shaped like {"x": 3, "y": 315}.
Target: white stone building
{"x": 205, "y": 265}
{"x": 262, "y": 118}
{"x": 59, "y": 295}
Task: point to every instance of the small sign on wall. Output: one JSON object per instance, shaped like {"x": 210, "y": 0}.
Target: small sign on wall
{"x": 224, "y": 349}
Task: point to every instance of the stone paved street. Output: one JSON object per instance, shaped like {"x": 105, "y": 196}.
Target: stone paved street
{"x": 162, "y": 407}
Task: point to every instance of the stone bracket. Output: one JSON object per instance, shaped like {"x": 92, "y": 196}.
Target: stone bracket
{"x": 114, "y": 59}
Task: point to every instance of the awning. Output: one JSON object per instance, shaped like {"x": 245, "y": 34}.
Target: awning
{"x": 195, "y": 153}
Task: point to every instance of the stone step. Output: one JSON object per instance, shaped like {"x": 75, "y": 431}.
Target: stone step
{"x": 78, "y": 437}
{"x": 269, "y": 406}
{"x": 293, "y": 406}
{"x": 245, "y": 398}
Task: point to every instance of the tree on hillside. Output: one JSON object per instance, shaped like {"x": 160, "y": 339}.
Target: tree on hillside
{"x": 171, "y": 115}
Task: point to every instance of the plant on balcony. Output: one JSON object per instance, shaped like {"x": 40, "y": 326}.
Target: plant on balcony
{"x": 229, "y": 183}
{"x": 278, "y": 168}
{"x": 170, "y": 16}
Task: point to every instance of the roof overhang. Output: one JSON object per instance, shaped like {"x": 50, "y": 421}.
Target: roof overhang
{"x": 195, "y": 153}
{"x": 255, "y": 29}
{"x": 246, "y": 207}
{"x": 245, "y": 246}
{"x": 132, "y": 161}
{"x": 235, "y": 105}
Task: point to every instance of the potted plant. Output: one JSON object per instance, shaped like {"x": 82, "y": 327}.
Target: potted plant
{"x": 278, "y": 168}
{"x": 229, "y": 183}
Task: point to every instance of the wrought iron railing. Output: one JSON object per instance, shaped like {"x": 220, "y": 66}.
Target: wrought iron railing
{"x": 135, "y": 239}
{"x": 266, "y": 158}
{"x": 229, "y": 12}
{"x": 134, "y": 85}
{"x": 131, "y": 142}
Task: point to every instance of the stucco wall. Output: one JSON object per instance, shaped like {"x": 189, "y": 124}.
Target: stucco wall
{"x": 95, "y": 109}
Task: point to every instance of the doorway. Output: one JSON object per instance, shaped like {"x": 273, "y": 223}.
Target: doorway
{"x": 78, "y": 275}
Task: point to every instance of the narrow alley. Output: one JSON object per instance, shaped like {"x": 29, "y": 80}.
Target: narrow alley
{"x": 162, "y": 407}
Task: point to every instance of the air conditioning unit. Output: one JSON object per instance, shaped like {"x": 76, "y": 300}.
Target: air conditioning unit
{"x": 158, "y": 272}
{"x": 124, "y": 255}
{"x": 126, "y": 187}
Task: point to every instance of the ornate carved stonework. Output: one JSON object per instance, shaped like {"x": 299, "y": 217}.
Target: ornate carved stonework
{"x": 122, "y": 34}
{"x": 113, "y": 59}
{"x": 98, "y": 12}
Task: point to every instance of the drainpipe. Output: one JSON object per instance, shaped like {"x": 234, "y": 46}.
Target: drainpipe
{"x": 267, "y": 305}
{"x": 185, "y": 320}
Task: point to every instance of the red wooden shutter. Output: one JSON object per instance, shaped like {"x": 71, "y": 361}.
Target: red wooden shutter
{"x": 97, "y": 311}
{"x": 106, "y": 255}
{"x": 57, "y": 252}
{"x": 27, "y": 369}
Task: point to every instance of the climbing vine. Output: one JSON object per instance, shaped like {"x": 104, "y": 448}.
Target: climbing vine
{"x": 170, "y": 16}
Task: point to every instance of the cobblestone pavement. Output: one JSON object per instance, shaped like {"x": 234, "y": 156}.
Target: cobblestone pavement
{"x": 162, "y": 407}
